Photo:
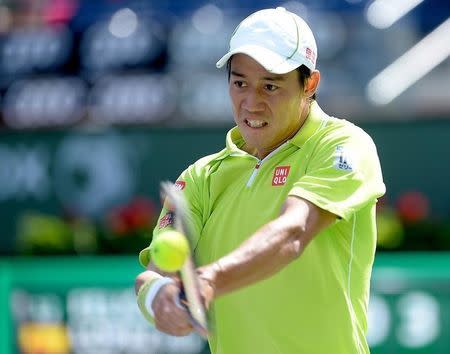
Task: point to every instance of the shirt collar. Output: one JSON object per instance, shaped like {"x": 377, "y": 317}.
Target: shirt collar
{"x": 313, "y": 121}
{"x": 234, "y": 141}
{"x": 315, "y": 118}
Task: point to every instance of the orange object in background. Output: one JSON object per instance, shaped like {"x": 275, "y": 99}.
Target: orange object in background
{"x": 43, "y": 338}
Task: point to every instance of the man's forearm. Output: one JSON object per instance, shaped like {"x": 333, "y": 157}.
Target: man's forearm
{"x": 270, "y": 249}
{"x": 264, "y": 254}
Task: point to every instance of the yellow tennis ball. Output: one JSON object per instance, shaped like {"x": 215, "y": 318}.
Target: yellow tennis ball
{"x": 169, "y": 250}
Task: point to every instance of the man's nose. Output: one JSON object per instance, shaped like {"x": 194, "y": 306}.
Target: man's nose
{"x": 253, "y": 102}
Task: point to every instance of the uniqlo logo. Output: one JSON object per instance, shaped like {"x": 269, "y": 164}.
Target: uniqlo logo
{"x": 180, "y": 185}
{"x": 280, "y": 175}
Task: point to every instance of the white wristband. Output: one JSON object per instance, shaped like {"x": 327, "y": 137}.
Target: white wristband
{"x": 153, "y": 291}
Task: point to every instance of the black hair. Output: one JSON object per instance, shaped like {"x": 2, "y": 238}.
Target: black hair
{"x": 303, "y": 74}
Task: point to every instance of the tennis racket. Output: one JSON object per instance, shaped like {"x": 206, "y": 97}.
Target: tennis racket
{"x": 190, "y": 296}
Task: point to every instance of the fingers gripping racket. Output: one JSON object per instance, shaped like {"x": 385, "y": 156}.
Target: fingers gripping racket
{"x": 190, "y": 293}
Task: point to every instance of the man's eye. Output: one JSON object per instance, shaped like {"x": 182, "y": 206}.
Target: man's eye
{"x": 270, "y": 87}
{"x": 239, "y": 83}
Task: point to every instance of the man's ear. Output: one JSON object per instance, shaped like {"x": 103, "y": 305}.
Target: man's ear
{"x": 312, "y": 83}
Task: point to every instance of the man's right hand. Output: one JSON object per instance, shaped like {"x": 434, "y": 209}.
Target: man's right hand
{"x": 170, "y": 317}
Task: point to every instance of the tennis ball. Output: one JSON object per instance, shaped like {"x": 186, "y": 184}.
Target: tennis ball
{"x": 169, "y": 251}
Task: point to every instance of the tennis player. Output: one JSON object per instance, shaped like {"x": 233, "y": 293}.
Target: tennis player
{"x": 284, "y": 215}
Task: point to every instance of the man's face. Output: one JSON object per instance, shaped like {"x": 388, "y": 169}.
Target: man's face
{"x": 267, "y": 107}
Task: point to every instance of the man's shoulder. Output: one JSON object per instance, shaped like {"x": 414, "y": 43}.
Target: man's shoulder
{"x": 211, "y": 159}
{"x": 339, "y": 128}
{"x": 331, "y": 129}
{"x": 205, "y": 164}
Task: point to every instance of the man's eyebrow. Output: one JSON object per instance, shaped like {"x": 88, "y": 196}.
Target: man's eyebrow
{"x": 234, "y": 73}
{"x": 267, "y": 78}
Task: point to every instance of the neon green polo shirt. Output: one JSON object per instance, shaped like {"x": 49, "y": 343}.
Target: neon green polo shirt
{"x": 318, "y": 303}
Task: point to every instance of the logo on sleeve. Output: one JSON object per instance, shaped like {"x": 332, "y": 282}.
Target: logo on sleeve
{"x": 280, "y": 175}
{"x": 180, "y": 185}
{"x": 166, "y": 220}
{"x": 343, "y": 159}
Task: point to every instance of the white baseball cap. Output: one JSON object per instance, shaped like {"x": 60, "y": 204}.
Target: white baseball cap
{"x": 278, "y": 39}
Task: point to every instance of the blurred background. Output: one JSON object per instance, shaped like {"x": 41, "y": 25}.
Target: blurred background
{"x": 100, "y": 100}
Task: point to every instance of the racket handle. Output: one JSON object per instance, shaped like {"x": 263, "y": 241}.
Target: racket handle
{"x": 182, "y": 302}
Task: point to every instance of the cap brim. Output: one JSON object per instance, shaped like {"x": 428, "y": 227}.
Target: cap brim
{"x": 271, "y": 61}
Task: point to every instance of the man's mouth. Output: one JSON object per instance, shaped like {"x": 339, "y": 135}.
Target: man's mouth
{"x": 255, "y": 123}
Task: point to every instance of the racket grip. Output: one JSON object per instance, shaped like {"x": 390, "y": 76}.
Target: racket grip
{"x": 182, "y": 302}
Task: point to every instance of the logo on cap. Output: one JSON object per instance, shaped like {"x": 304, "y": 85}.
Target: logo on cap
{"x": 179, "y": 185}
{"x": 280, "y": 175}
{"x": 310, "y": 55}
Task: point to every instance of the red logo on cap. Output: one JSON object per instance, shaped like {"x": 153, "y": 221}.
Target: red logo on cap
{"x": 280, "y": 175}
{"x": 310, "y": 55}
{"x": 180, "y": 185}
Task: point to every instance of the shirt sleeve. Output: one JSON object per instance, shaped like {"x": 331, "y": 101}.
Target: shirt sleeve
{"x": 343, "y": 173}
{"x": 190, "y": 185}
